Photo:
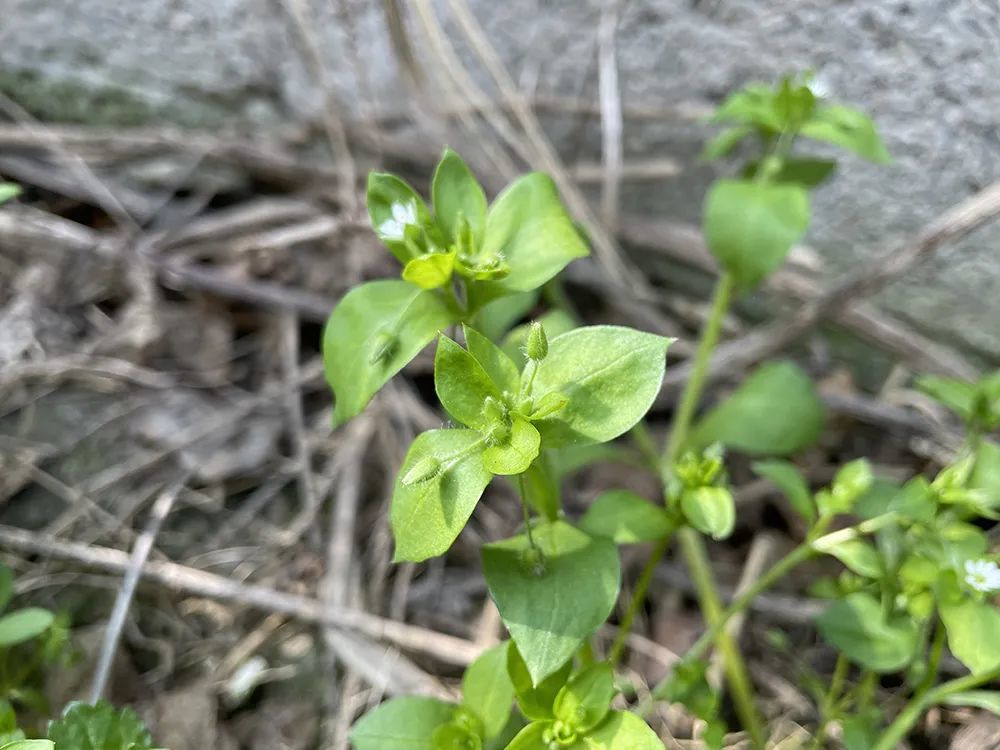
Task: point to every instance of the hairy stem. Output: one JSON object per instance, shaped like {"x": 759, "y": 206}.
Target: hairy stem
{"x": 909, "y": 716}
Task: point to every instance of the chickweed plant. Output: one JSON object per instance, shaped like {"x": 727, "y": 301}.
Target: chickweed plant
{"x": 530, "y": 404}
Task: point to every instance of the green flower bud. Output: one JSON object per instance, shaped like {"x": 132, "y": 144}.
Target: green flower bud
{"x": 537, "y": 346}
{"x": 423, "y": 470}
{"x": 383, "y": 346}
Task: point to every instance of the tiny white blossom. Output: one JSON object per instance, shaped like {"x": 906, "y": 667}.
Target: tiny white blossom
{"x": 820, "y": 86}
{"x": 403, "y": 214}
{"x": 982, "y": 575}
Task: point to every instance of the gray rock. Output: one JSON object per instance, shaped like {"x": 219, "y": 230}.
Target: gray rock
{"x": 927, "y": 70}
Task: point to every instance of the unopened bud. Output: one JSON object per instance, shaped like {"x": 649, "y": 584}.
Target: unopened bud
{"x": 423, "y": 470}
{"x": 382, "y": 348}
{"x": 537, "y": 346}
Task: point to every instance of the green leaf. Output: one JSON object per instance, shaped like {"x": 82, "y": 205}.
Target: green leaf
{"x": 986, "y": 472}
{"x": 516, "y": 454}
{"x": 29, "y": 745}
{"x": 99, "y": 727}
{"x": 401, "y": 724}
{"x": 988, "y": 700}
{"x": 393, "y": 206}
{"x": 6, "y": 586}
{"x": 611, "y": 376}
{"x": 958, "y": 395}
{"x": 457, "y": 193}
{"x": 529, "y": 225}
{"x": 808, "y": 172}
{"x": 552, "y": 607}
{"x": 8, "y": 191}
{"x": 23, "y": 625}
{"x": 487, "y": 689}
{"x": 376, "y": 329}
{"x": 723, "y": 143}
{"x": 790, "y": 481}
{"x": 501, "y": 368}
{"x": 847, "y": 128}
{"x": 463, "y": 385}
{"x": 973, "y": 633}
{"x": 857, "y": 626}
{"x": 622, "y": 730}
{"x": 532, "y": 738}
{"x": 711, "y": 510}
{"x": 625, "y": 518}
{"x": 862, "y": 729}
{"x": 430, "y": 271}
{"x": 852, "y": 481}
{"x": 858, "y": 556}
{"x": 775, "y": 412}
{"x": 688, "y": 684}
{"x": 751, "y": 226}
{"x": 428, "y": 512}
{"x": 535, "y": 701}
{"x": 586, "y": 698}
{"x": 754, "y": 105}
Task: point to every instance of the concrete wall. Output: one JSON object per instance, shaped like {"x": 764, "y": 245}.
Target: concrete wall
{"x": 927, "y": 70}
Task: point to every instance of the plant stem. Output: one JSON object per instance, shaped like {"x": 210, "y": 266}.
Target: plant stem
{"x": 699, "y": 371}
{"x": 937, "y": 649}
{"x": 638, "y": 597}
{"x": 909, "y": 716}
{"x": 780, "y": 569}
{"x": 527, "y": 516}
{"x": 740, "y": 687}
{"x": 692, "y": 546}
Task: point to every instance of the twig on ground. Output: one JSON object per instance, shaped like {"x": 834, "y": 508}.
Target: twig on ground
{"x": 133, "y": 571}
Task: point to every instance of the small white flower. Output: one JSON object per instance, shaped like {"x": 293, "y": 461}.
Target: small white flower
{"x": 820, "y": 86}
{"x": 403, "y": 214}
{"x": 982, "y": 575}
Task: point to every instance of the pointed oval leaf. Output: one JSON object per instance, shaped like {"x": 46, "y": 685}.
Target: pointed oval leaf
{"x": 751, "y": 226}
{"x": 622, "y": 730}
{"x": 487, "y": 689}
{"x": 973, "y": 634}
{"x": 528, "y": 224}
{"x": 550, "y": 609}
{"x": 531, "y": 738}
{"x": 23, "y": 625}
{"x": 457, "y": 193}
{"x": 586, "y": 698}
{"x": 610, "y": 375}
{"x": 430, "y": 271}
{"x": 374, "y": 331}
{"x": 428, "y": 513}
{"x": 401, "y": 724}
{"x": 501, "y": 368}
{"x": 857, "y": 626}
{"x": 847, "y": 128}
{"x": 625, "y": 518}
{"x": 517, "y": 453}
{"x": 462, "y": 385}
{"x": 792, "y": 484}
{"x": 535, "y": 701}
{"x": 858, "y": 556}
{"x": 29, "y": 745}
{"x": 776, "y": 411}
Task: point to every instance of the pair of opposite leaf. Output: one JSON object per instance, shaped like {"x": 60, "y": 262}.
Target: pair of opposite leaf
{"x": 589, "y": 385}
{"x": 515, "y": 245}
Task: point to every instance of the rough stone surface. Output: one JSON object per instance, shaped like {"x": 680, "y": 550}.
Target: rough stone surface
{"x": 927, "y": 70}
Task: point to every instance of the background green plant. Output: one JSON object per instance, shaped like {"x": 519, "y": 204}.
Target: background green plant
{"x": 917, "y": 572}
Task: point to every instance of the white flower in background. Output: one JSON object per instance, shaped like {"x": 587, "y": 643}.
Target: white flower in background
{"x": 820, "y": 86}
{"x": 403, "y": 214}
{"x": 982, "y": 575}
